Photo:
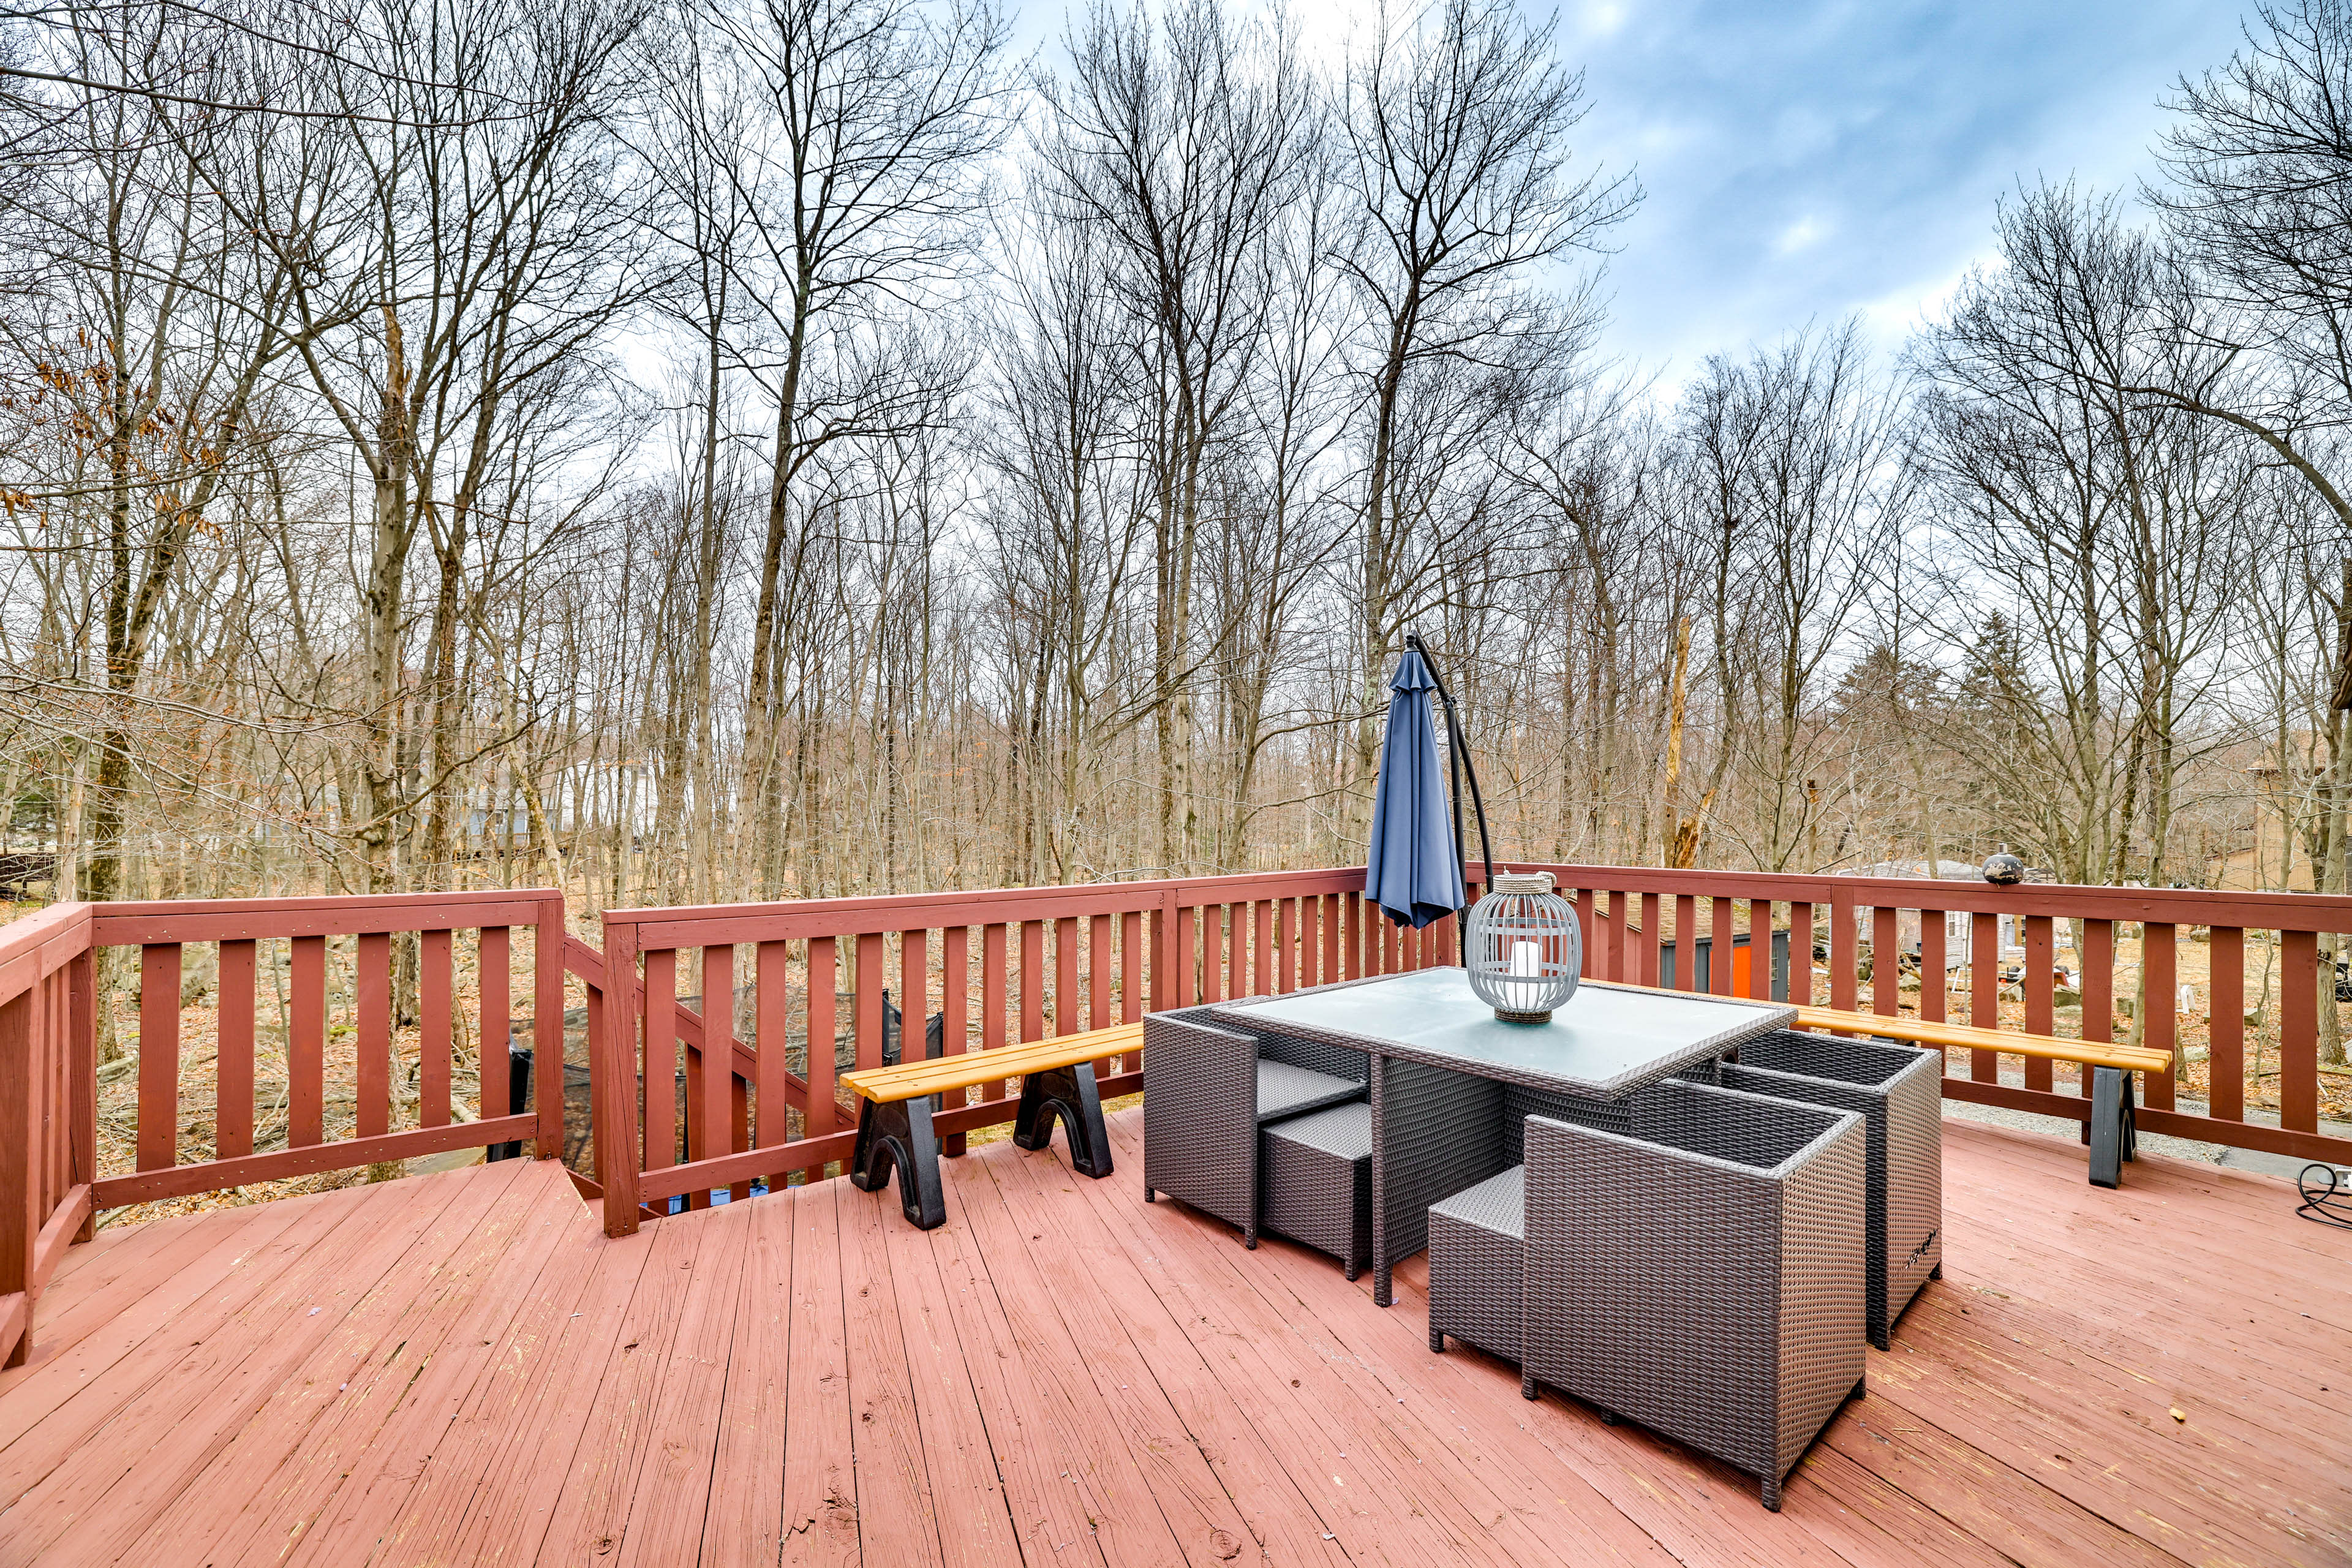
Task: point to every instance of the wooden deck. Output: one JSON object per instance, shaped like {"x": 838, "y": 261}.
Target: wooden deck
{"x": 460, "y": 1369}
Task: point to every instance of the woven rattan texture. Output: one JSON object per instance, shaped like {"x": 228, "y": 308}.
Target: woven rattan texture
{"x": 1438, "y": 1132}
{"x": 1519, "y": 1102}
{"x": 1199, "y": 1115}
{"x": 1287, "y": 1090}
{"x": 1897, "y": 1092}
{"x": 1475, "y": 1265}
{"x": 1704, "y": 1277}
{"x": 1318, "y": 1181}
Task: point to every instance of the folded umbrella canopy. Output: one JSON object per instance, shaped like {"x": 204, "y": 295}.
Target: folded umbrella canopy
{"x": 1412, "y": 866}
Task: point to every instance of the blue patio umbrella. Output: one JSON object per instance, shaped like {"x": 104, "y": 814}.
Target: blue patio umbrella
{"x": 1412, "y": 862}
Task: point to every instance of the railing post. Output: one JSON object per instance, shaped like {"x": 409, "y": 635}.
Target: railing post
{"x": 20, "y": 1174}
{"x": 613, "y": 1080}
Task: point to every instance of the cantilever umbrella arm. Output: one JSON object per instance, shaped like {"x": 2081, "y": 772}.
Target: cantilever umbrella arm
{"x": 1461, "y": 761}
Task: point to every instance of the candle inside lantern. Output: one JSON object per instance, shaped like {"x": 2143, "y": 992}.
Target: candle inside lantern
{"x": 1527, "y": 959}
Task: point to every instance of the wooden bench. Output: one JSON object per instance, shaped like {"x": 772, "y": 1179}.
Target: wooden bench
{"x": 2110, "y": 1131}
{"x": 1057, "y": 1079}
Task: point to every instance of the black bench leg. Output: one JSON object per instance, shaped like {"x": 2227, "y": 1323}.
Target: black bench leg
{"x": 899, "y": 1134}
{"x": 1069, "y": 1093}
{"x": 2113, "y": 1135}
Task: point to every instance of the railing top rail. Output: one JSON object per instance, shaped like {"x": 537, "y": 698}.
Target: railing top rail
{"x": 2177, "y": 906}
{"x": 785, "y": 919}
{"x": 226, "y": 919}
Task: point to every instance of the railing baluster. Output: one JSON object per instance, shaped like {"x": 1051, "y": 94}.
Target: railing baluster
{"x": 1032, "y": 980}
{"x": 660, "y": 1069}
{"x": 867, "y": 1004}
{"x": 992, "y": 1001}
{"x": 372, "y": 983}
{"x": 1760, "y": 950}
{"x": 1648, "y": 964}
{"x": 1984, "y": 991}
{"x": 1885, "y": 960}
{"x": 2159, "y": 1029}
{"x": 2040, "y": 958}
{"x": 305, "y": 1041}
{"x": 914, "y": 994}
{"x": 1285, "y": 936}
{"x": 1724, "y": 942}
{"x": 823, "y": 1112}
{"x": 1069, "y": 1002}
{"x": 1935, "y": 973}
{"x": 496, "y": 954}
{"x": 1844, "y": 962}
{"x": 2225, "y": 1049}
{"x": 233, "y": 1098}
{"x": 2299, "y": 1030}
{"x": 1686, "y": 942}
{"x": 1184, "y": 989}
{"x": 710, "y": 1131}
{"x": 1329, "y": 971}
{"x": 1130, "y": 966}
{"x": 1099, "y": 972}
{"x": 158, "y": 1055}
{"x": 1587, "y": 930}
{"x": 1262, "y": 928}
{"x": 771, "y": 1035}
{"x": 1800, "y": 953}
{"x": 433, "y": 1010}
{"x": 955, "y": 1003}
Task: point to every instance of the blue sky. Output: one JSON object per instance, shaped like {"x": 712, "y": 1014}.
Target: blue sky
{"x": 1805, "y": 162}
{"x": 1811, "y": 160}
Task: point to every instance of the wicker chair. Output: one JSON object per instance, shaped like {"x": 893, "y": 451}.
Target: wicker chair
{"x": 1703, "y": 1277}
{"x": 1898, "y": 1092}
{"x": 1207, "y": 1090}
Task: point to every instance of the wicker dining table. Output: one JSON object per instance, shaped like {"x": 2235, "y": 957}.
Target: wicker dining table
{"x": 1451, "y": 1085}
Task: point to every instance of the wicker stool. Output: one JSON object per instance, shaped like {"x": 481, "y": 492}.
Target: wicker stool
{"x": 1476, "y": 1261}
{"x": 1317, "y": 1170}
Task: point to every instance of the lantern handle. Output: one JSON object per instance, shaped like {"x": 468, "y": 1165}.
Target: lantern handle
{"x": 1460, "y": 752}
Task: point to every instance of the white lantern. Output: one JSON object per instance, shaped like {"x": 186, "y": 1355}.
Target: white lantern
{"x": 1523, "y": 948}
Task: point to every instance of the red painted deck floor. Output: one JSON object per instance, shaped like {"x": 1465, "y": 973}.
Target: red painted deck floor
{"x": 459, "y": 1369}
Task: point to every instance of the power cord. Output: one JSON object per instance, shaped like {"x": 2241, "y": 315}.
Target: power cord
{"x": 2326, "y": 1203}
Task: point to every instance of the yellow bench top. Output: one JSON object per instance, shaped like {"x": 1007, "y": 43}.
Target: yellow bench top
{"x": 1921, "y": 1031}
{"x": 912, "y": 1080}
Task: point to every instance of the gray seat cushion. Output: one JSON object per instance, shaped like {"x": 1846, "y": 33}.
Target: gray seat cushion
{"x": 1285, "y": 1090}
{"x": 1342, "y": 1131}
{"x": 1497, "y": 1204}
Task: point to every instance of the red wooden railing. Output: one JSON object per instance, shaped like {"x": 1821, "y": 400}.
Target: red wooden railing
{"x": 999, "y": 967}
{"x": 161, "y": 933}
{"x": 1003, "y": 966}
{"x": 48, "y": 1109}
{"x": 1624, "y": 909}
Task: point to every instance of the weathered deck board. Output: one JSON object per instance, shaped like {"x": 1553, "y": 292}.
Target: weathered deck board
{"x": 1064, "y": 1374}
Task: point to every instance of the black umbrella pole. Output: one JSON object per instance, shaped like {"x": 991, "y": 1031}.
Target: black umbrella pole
{"x": 1463, "y": 763}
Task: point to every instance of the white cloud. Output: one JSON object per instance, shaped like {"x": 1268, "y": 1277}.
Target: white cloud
{"x": 1802, "y": 234}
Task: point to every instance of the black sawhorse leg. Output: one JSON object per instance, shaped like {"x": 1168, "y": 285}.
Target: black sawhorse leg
{"x": 899, "y": 1134}
{"x": 2112, "y": 1132}
{"x": 1069, "y": 1093}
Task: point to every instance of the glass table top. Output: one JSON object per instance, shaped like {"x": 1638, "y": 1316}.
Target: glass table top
{"x": 1606, "y": 1040}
